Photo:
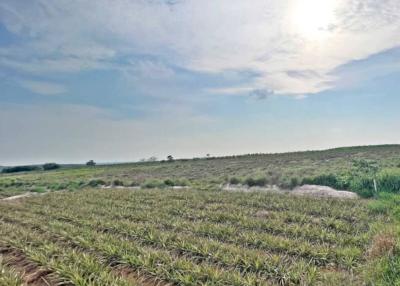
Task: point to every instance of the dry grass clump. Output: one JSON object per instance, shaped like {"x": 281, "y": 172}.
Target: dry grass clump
{"x": 264, "y": 214}
{"x": 382, "y": 244}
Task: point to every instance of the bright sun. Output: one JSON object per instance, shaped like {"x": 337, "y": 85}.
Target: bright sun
{"x": 312, "y": 18}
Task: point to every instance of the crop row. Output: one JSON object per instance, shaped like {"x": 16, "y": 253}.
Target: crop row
{"x": 350, "y": 211}
{"x": 242, "y": 223}
{"x": 72, "y": 266}
{"x": 228, "y": 256}
{"x": 8, "y": 277}
{"x": 316, "y": 254}
{"x": 150, "y": 261}
{"x": 228, "y": 212}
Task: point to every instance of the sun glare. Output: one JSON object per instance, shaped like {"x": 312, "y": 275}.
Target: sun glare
{"x": 312, "y": 18}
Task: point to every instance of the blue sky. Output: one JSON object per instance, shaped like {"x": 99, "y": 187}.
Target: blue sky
{"x": 125, "y": 80}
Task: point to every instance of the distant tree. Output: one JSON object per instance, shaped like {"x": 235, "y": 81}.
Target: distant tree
{"x": 20, "y": 169}
{"x": 91, "y": 163}
{"x": 152, "y": 159}
{"x": 170, "y": 158}
{"x": 50, "y": 166}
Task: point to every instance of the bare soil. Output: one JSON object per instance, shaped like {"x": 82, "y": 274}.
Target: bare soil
{"x": 322, "y": 192}
{"x": 31, "y": 273}
{"x": 305, "y": 190}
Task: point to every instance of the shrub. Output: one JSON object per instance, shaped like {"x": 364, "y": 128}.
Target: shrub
{"x": 38, "y": 190}
{"x": 58, "y": 187}
{"x": 20, "y": 169}
{"x": 362, "y": 183}
{"x": 176, "y": 182}
{"x": 154, "y": 183}
{"x": 118, "y": 183}
{"x": 50, "y": 166}
{"x": 389, "y": 181}
{"x": 169, "y": 182}
{"x": 365, "y": 193}
{"x": 260, "y": 182}
{"x": 182, "y": 182}
{"x": 323, "y": 180}
{"x": 294, "y": 182}
{"x": 73, "y": 185}
{"x": 96, "y": 182}
{"x": 234, "y": 181}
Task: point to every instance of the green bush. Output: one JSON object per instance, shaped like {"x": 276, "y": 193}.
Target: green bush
{"x": 259, "y": 182}
{"x": 359, "y": 183}
{"x": 118, "y": 183}
{"x": 329, "y": 180}
{"x": 50, "y": 166}
{"x": 20, "y": 169}
{"x": 389, "y": 181}
{"x": 294, "y": 182}
{"x": 153, "y": 183}
{"x": 182, "y": 182}
{"x": 134, "y": 184}
{"x": 38, "y": 190}
{"x": 96, "y": 182}
{"x": 364, "y": 193}
{"x": 176, "y": 182}
{"x": 73, "y": 185}
{"x": 234, "y": 181}
{"x": 58, "y": 187}
{"x": 169, "y": 182}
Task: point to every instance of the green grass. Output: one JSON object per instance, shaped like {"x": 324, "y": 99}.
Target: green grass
{"x": 8, "y": 277}
{"x": 385, "y": 270}
{"x": 286, "y": 170}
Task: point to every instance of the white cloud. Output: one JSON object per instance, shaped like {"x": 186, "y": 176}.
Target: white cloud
{"x": 240, "y": 90}
{"x": 42, "y": 87}
{"x": 149, "y": 69}
{"x": 276, "y": 39}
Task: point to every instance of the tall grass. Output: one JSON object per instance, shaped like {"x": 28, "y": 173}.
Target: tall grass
{"x": 387, "y": 180}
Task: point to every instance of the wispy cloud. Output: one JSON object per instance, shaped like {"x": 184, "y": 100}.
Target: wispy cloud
{"x": 43, "y": 87}
{"x": 291, "y": 46}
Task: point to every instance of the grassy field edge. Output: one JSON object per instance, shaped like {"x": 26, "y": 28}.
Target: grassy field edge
{"x": 384, "y": 251}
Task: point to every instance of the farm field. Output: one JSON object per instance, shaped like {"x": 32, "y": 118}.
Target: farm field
{"x": 134, "y": 140}
{"x": 285, "y": 170}
{"x": 157, "y": 237}
{"x": 126, "y": 224}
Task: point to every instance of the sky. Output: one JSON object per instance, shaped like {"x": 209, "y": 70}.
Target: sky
{"x": 122, "y": 80}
